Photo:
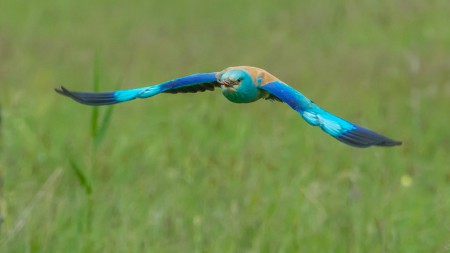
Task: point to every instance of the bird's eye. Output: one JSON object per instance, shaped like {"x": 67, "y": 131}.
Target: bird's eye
{"x": 239, "y": 80}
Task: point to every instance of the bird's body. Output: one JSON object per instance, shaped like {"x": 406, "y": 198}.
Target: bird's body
{"x": 244, "y": 84}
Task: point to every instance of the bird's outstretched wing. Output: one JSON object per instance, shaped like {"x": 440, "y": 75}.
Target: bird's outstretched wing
{"x": 193, "y": 83}
{"x": 340, "y": 129}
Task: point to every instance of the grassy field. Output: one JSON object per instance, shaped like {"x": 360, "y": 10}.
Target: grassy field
{"x": 196, "y": 173}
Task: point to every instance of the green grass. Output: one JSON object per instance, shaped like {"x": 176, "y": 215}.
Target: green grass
{"x": 195, "y": 173}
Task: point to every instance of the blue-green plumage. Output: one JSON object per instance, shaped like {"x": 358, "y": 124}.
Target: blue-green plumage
{"x": 244, "y": 85}
{"x": 240, "y": 88}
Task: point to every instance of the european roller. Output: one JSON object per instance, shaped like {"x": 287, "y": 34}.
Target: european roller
{"x": 244, "y": 84}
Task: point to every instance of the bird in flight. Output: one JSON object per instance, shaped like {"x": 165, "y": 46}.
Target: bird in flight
{"x": 244, "y": 84}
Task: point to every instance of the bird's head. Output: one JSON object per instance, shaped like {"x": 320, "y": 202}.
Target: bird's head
{"x": 232, "y": 79}
{"x": 238, "y": 86}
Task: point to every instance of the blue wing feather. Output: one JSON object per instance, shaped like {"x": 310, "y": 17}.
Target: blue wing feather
{"x": 339, "y": 128}
{"x": 192, "y": 83}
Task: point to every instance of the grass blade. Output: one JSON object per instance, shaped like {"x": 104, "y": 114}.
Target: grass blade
{"x": 94, "y": 120}
{"x": 25, "y": 215}
{"x": 96, "y": 88}
{"x": 103, "y": 126}
{"x": 81, "y": 176}
{"x": 100, "y": 133}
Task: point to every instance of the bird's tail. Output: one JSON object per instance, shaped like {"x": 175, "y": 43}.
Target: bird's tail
{"x": 109, "y": 98}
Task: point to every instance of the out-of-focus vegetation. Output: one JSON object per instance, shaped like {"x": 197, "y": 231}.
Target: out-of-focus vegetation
{"x": 196, "y": 173}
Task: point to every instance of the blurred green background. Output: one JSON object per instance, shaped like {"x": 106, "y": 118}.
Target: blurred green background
{"x": 196, "y": 173}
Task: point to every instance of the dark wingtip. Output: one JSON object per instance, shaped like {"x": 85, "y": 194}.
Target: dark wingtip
{"x": 89, "y": 98}
{"x": 63, "y": 91}
{"x": 60, "y": 90}
{"x": 362, "y": 138}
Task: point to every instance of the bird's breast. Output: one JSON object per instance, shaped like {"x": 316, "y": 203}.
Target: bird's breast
{"x": 241, "y": 95}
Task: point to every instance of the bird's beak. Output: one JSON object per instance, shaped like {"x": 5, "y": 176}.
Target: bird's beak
{"x": 226, "y": 83}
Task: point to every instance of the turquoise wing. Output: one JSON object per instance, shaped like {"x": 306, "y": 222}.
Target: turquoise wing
{"x": 335, "y": 126}
{"x": 193, "y": 83}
